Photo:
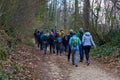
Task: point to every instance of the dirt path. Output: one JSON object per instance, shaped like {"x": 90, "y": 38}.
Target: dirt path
{"x": 55, "y": 67}
{"x": 92, "y": 72}
{"x": 50, "y": 67}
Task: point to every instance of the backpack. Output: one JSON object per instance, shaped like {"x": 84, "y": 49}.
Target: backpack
{"x": 78, "y": 34}
{"x": 66, "y": 38}
{"x": 52, "y": 38}
{"x": 74, "y": 41}
{"x": 45, "y": 37}
{"x": 59, "y": 40}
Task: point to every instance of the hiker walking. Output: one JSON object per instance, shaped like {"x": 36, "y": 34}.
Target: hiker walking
{"x": 59, "y": 44}
{"x": 51, "y": 39}
{"x": 41, "y": 43}
{"x": 87, "y": 41}
{"x": 38, "y": 35}
{"x": 74, "y": 45}
{"x": 35, "y": 36}
{"x": 44, "y": 38}
{"x": 65, "y": 43}
{"x": 80, "y": 35}
{"x": 69, "y": 47}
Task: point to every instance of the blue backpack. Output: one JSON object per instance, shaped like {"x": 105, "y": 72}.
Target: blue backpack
{"x": 59, "y": 40}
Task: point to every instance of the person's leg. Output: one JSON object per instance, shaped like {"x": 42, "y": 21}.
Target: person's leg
{"x": 57, "y": 47}
{"x": 45, "y": 47}
{"x": 88, "y": 62}
{"x": 41, "y": 47}
{"x": 61, "y": 47}
{"x": 76, "y": 57}
{"x": 35, "y": 40}
{"x": 86, "y": 53}
{"x": 69, "y": 52}
{"x": 65, "y": 47}
{"x": 66, "y": 50}
{"x": 87, "y": 49}
{"x": 50, "y": 48}
{"x": 53, "y": 46}
{"x": 81, "y": 53}
{"x": 73, "y": 57}
{"x": 38, "y": 44}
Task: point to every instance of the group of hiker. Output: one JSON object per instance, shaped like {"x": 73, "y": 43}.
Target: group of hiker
{"x": 72, "y": 43}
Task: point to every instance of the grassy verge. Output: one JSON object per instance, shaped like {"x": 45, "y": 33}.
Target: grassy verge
{"x": 111, "y": 46}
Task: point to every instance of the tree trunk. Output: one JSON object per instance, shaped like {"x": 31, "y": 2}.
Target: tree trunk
{"x": 76, "y": 14}
{"x": 86, "y": 11}
{"x": 65, "y": 14}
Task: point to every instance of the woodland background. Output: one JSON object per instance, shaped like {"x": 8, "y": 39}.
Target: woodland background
{"x": 19, "y": 19}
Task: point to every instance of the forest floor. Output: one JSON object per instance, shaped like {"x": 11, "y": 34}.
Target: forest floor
{"x": 38, "y": 66}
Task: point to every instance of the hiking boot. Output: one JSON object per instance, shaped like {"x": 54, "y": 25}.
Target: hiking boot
{"x": 88, "y": 64}
{"x": 81, "y": 60}
{"x": 53, "y": 51}
{"x": 76, "y": 65}
{"x": 45, "y": 53}
{"x": 68, "y": 60}
{"x": 60, "y": 54}
{"x": 73, "y": 64}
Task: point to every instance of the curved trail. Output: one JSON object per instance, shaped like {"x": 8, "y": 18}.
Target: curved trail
{"x": 55, "y": 67}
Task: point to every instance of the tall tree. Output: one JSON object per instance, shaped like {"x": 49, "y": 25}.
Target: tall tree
{"x": 65, "y": 14}
{"x": 86, "y": 12}
{"x": 76, "y": 14}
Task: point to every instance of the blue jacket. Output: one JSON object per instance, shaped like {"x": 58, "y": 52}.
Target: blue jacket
{"x": 38, "y": 34}
{"x": 70, "y": 43}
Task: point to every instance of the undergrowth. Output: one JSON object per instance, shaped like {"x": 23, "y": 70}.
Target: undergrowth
{"x": 30, "y": 43}
{"x": 7, "y": 43}
{"x": 111, "y": 46}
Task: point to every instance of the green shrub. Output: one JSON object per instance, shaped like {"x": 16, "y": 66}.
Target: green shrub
{"x": 113, "y": 37}
{"x": 104, "y": 50}
{"x": 112, "y": 42}
{"x": 4, "y": 53}
{"x": 30, "y": 43}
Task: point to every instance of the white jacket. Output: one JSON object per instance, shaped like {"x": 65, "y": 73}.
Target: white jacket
{"x": 87, "y": 40}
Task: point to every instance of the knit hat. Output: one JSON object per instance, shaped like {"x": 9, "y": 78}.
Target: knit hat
{"x": 81, "y": 30}
{"x": 71, "y": 30}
